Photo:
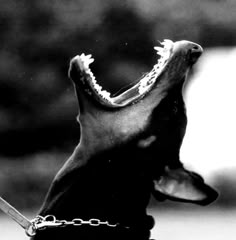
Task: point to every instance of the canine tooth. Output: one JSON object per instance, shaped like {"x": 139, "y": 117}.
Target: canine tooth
{"x": 89, "y": 58}
{"x": 168, "y": 41}
{"x": 168, "y": 44}
{"x": 159, "y": 50}
{"x": 86, "y": 60}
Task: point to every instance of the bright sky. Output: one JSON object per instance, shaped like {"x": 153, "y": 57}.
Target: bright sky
{"x": 210, "y": 141}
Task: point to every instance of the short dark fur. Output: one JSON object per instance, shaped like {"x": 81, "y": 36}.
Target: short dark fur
{"x": 122, "y": 156}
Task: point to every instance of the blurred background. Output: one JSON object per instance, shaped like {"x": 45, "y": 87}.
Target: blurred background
{"x": 38, "y": 107}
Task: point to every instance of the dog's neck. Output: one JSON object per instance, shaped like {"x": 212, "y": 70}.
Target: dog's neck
{"x": 104, "y": 171}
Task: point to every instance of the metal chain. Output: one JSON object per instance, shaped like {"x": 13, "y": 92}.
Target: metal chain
{"x": 50, "y": 221}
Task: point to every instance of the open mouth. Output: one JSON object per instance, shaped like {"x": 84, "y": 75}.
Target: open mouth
{"x": 173, "y": 59}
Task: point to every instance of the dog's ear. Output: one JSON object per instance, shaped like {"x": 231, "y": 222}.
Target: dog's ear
{"x": 183, "y": 186}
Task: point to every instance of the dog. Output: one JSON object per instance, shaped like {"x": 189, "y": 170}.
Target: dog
{"x": 128, "y": 150}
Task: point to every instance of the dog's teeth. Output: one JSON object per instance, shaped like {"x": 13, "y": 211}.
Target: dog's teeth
{"x": 94, "y": 81}
{"x": 167, "y": 44}
{"x": 159, "y": 50}
{"x": 86, "y": 59}
{"x": 105, "y": 94}
{"x": 89, "y": 58}
{"x": 98, "y": 87}
{"x": 150, "y": 78}
{"x": 168, "y": 41}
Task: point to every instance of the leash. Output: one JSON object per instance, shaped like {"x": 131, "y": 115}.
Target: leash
{"x": 40, "y": 223}
{"x": 18, "y": 217}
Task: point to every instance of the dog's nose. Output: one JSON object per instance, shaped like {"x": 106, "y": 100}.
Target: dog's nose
{"x": 195, "y": 51}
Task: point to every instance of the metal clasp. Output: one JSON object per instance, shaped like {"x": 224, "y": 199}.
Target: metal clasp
{"x": 47, "y": 224}
{"x": 30, "y": 231}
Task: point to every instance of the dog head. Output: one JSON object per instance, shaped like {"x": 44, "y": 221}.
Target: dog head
{"x": 148, "y": 118}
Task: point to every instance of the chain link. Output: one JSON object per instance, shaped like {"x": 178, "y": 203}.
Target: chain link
{"x": 50, "y": 221}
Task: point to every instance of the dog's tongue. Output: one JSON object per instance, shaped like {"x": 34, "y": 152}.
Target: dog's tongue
{"x": 184, "y": 186}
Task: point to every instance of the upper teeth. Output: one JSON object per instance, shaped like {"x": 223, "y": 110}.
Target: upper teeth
{"x": 159, "y": 50}
{"x": 168, "y": 44}
{"x": 164, "y": 53}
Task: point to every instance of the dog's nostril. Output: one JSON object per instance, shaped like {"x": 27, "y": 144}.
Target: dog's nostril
{"x": 195, "y": 52}
{"x": 196, "y": 48}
